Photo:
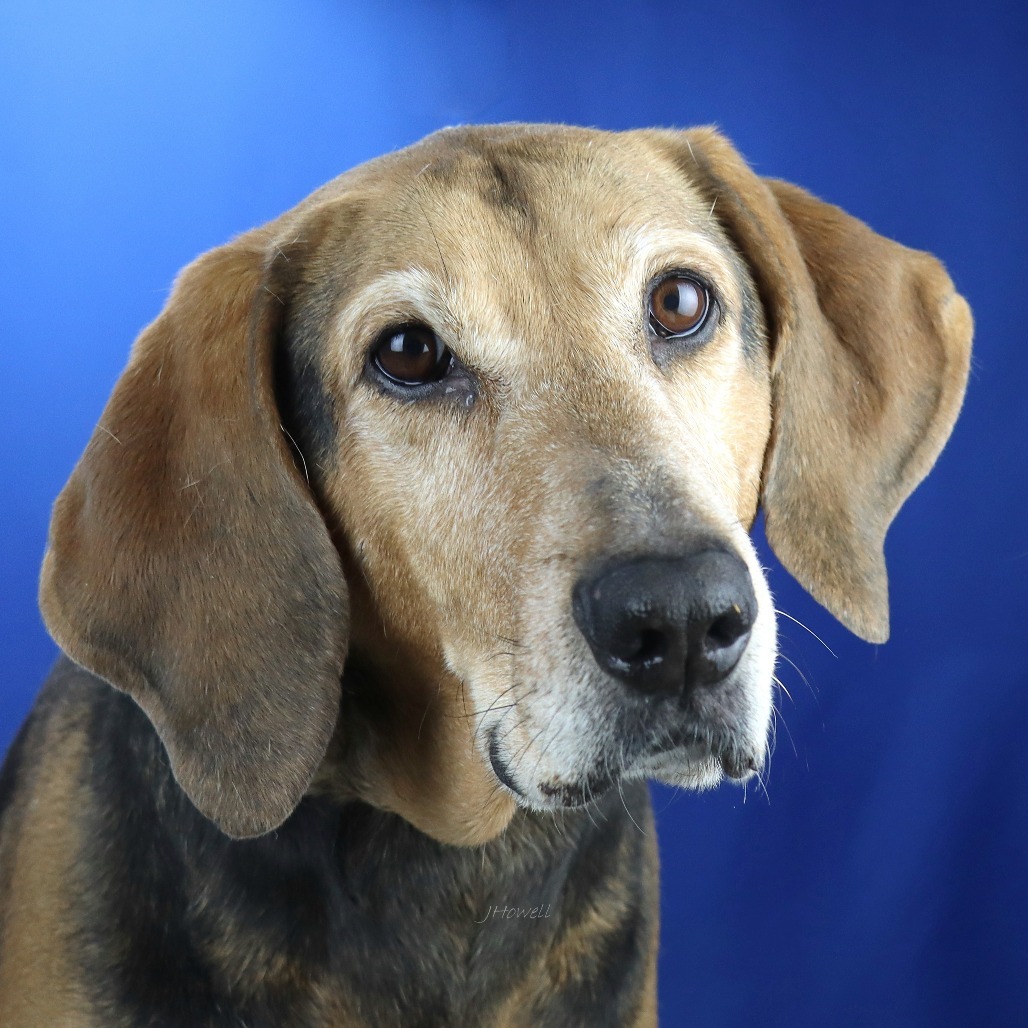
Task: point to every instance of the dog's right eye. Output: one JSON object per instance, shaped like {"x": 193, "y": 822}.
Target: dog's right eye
{"x": 411, "y": 355}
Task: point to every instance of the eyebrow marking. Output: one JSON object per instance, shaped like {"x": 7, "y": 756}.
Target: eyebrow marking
{"x": 506, "y": 191}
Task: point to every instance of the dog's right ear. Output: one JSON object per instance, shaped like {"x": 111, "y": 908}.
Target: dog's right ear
{"x": 188, "y": 563}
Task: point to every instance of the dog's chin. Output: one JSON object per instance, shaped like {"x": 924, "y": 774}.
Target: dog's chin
{"x": 694, "y": 765}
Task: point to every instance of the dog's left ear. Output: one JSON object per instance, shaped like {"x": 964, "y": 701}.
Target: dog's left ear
{"x": 870, "y": 349}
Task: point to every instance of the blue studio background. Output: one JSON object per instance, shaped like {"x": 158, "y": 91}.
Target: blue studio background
{"x": 881, "y": 880}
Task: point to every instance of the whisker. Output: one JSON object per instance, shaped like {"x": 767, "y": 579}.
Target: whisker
{"x": 479, "y": 713}
{"x": 781, "y": 685}
{"x": 772, "y": 736}
{"x": 763, "y": 788}
{"x": 510, "y": 642}
{"x": 621, "y": 793}
{"x": 560, "y": 827}
{"x": 785, "y": 724}
{"x": 796, "y": 668}
{"x": 797, "y": 621}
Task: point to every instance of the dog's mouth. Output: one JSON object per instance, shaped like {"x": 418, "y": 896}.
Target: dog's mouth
{"x": 696, "y": 755}
{"x": 552, "y": 793}
{"x": 704, "y": 742}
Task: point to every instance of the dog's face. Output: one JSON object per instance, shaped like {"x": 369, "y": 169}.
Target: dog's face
{"x": 526, "y": 417}
{"x": 536, "y": 382}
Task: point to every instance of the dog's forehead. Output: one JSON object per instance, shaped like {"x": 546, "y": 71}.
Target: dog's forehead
{"x": 563, "y": 186}
{"x": 508, "y": 228}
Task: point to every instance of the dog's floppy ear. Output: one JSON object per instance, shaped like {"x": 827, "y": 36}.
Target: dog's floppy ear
{"x": 870, "y": 354}
{"x": 187, "y": 562}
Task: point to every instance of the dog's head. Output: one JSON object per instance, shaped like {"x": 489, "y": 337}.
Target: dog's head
{"x": 488, "y": 420}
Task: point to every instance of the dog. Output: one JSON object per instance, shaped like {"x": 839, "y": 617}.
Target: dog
{"x": 413, "y": 540}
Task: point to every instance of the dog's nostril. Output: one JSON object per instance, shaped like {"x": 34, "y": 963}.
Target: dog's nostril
{"x": 728, "y": 629}
{"x": 718, "y": 643}
{"x": 647, "y": 649}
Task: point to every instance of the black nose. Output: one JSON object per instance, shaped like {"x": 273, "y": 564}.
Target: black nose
{"x": 667, "y": 625}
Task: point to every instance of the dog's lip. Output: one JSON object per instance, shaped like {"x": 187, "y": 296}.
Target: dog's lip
{"x": 571, "y": 795}
{"x": 738, "y": 766}
{"x": 500, "y": 769}
{"x": 567, "y": 795}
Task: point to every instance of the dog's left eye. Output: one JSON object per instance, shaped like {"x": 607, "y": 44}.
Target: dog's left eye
{"x": 678, "y": 306}
{"x": 411, "y": 355}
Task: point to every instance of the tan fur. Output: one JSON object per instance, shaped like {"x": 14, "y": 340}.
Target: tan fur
{"x": 198, "y": 564}
{"x": 39, "y": 980}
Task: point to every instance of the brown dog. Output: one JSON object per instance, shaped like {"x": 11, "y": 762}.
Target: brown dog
{"x": 486, "y": 421}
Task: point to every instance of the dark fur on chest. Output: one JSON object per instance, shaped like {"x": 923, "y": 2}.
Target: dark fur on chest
{"x": 345, "y": 914}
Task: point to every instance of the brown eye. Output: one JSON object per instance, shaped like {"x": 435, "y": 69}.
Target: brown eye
{"x": 411, "y": 355}
{"x": 678, "y": 306}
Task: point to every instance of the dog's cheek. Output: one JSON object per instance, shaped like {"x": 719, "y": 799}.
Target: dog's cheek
{"x": 747, "y": 434}
{"x": 721, "y": 406}
{"x": 417, "y": 524}
{"x": 404, "y": 500}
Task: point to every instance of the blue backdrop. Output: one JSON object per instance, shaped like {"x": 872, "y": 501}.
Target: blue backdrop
{"x": 881, "y": 880}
